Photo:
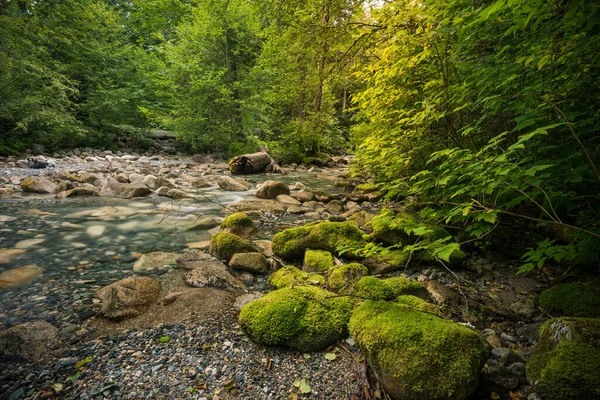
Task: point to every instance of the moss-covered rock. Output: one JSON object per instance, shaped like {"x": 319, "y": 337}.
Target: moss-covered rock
{"x": 318, "y": 260}
{"x": 406, "y": 286}
{"x": 388, "y": 262}
{"x": 304, "y": 318}
{"x": 419, "y": 304}
{"x": 239, "y": 224}
{"x": 566, "y": 361}
{"x": 343, "y": 278}
{"x": 573, "y": 300}
{"x": 361, "y": 218}
{"x": 416, "y": 355}
{"x": 291, "y": 276}
{"x": 457, "y": 258}
{"x": 389, "y": 289}
{"x": 224, "y": 245}
{"x": 386, "y": 227}
{"x": 291, "y": 243}
{"x": 366, "y": 188}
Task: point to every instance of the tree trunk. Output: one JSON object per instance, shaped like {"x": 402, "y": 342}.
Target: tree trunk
{"x": 253, "y": 164}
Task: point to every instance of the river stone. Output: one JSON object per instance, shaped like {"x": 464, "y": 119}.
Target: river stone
{"x": 196, "y": 259}
{"x": 128, "y": 297}
{"x": 251, "y": 262}
{"x": 271, "y": 189}
{"x": 19, "y": 277}
{"x": 442, "y": 294}
{"x": 91, "y": 179}
{"x": 151, "y": 261}
{"x": 202, "y": 223}
{"x": 335, "y": 207}
{"x": 162, "y": 181}
{"x": 113, "y": 188}
{"x": 230, "y": 184}
{"x": 96, "y": 230}
{"x": 27, "y": 243}
{"x": 150, "y": 181}
{"x": 7, "y": 255}
{"x": 244, "y": 299}
{"x": 163, "y": 191}
{"x": 36, "y": 184}
{"x": 286, "y": 199}
{"x": 178, "y": 194}
{"x": 254, "y": 206}
{"x": 200, "y": 245}
{"x": 28, "y": 342}
{"x": 303, "y": 196}
{"x": 417, "y": 355}
{"x": 84, "y": 190}
{"x": 212, "y": 275}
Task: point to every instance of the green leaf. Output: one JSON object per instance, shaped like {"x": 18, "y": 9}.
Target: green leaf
{"x": 304, "y": 386}
{"x": 330, "y": 356}
{"x": 164, "y": 339}
{"x": 446, "y": 251}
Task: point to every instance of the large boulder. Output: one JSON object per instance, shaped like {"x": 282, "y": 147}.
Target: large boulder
{"x": 212, "y": 275}
{"x": 290, "y": 276}
{"x": 343, "y": 278}
{"x": 19, "y": 277}
{"x": 233, "y": 185}
{"x": 318, "y": 260}
{"x": 36, "y": 184}
{"x": 224, "y": 245}
{"x": 271, "y": 189}
{"x": 305, "y": 318}
{"x": 292, "y": 243}
{"x": 416, "y": 355}
{"x": 565, "y": 363}
{"x": 251, "y": 262}
{"x": 28, "y": 342}
{"x": 572, "y": 299}
{"x": 239, "y": 224}
{"x": 128, "y": 297}
{"x": 256, "y": 206}
{"x": 113, "y": 188}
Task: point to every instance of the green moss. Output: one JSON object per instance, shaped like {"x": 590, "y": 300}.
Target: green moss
{"x": 386, "y": 229}
{"x": 343, "y": 278}
{"x": 456, "y": 258}
{"x": 224, "y": 245}
{"x": 418, "y": 355}
{"x": 373, "y": 288}
{"x": 318, "y": 260}
{"x": 291, "y": 276}
{"x": 304, "y": 318}
{"x": 406, "y": 286}
{"x": 419, "y": 304}
{"x": 366, "y": 188}
{"x": 292, "y": 243}
{"x": 239, "y": 224}
{"x": 566, "y": 362}
{"x": 572, "y": 299}
{"x": 388, "y": 262}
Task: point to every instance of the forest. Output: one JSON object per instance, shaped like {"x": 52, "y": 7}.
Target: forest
{"x": 485, "y": 112}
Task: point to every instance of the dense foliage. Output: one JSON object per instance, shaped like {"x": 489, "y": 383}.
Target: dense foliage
{"x": 485, "y": 111}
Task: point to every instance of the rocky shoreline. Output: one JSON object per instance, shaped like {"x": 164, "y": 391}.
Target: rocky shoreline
{"x": 183, "y": 339}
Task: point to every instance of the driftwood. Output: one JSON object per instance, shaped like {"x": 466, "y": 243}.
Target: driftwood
{"x": 253, "y": 164}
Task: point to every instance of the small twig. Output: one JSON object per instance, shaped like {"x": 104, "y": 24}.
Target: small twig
{"x": 349, "y": 352}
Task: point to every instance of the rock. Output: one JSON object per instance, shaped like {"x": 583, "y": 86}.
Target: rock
{"x": 239, "y": 224}
{"x": 178, "y": 194}
{"x": 501, "y": 376}
{"x": 271, "y": 189}
{"x": 28, "y": 342}
{"x": 506, "y": 356}
{"x": 290, "y": 276}
{"x": 230, "y": 184}
{"x": 36, "y": 184}
{"x": 212, "y": 275}
{"x": 152, "y": 261}
{"x": 318, "y": 261}
{"x": 291, "y": 243}
{"x": 256, "y": 206}
{"x": 285, "y": 199}
{"x": 150, "y": 181}
{"x": 442, "y": 294}
{"x": 388, "y": 262}
{"x": 8, "y": 255}
{"x": 84, "y": 190}
{"x": 92, "y": 179}
{"x": 565, "y": 363}
{"x": 362, "y": 218}
{"x": 304, "y": 318}
{"x": 128, "y": 297}
{"x": 113, "y": 188}
{"x": 253, "y": 163}
{"x": 202, "y": 223}
{"x": 388, "y": 289}
{"x": 224, "y": 245}
{"x": 572, "y": 299}
{"x": 96, "y": 230}
{"x": 335, "y": 207}
{"x": 494, "y": 341}
{"x": 251, "y": 262}
{"x": 19, "y": 277}
{"x": 163, "y": 191}
{"x": 343, "y": 278}
{"x": 416, "y": 355}
{"x": 201, "y": 245}
{"x": 244, "y": 299}
{"x": 303, "y": 196}
{"x": 28, "y": 243}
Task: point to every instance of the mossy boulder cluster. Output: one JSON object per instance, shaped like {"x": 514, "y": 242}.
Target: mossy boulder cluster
{"x": 343, "y": 278}
{"x": 305, "y": 318}
{"x": 389, "y": 289}
{"x": 566, "y": 362}
{"x": 224, "y": 245}
{"x": 416, "y": 355}
{"x": 290, "y": 276}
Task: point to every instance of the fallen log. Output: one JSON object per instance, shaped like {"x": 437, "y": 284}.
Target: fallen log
{"x": 253, "y": 163}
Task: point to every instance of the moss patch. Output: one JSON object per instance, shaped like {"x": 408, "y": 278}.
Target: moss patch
{"x": 366, "y": 188}
{"x": 224, "y": 245}
{"x": 419, "y": 304}
{"x": 417, "y": 355}
{"x": 291, "y": 276}
{"x": 292, "y": 243}
{"x": 406, "y": 286}
{"x": 239, "y": 224}
{"x": 303, "y": 318}
{"x": 566, "y": 362}
{"x": 373, "y": 288}
{"x": 573, "y": 300}
{"x": 386, "y": 227}
{"x": 318, "y": 260}
{"x": 343, "y": 278}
